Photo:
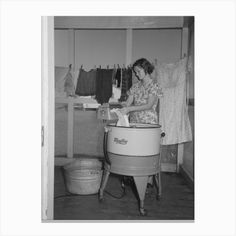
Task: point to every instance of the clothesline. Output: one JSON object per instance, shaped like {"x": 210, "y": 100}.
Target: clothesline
{"x": 115, "y": 66}
{"x": 101, "y": 82}
{"x": 108, "y": 66}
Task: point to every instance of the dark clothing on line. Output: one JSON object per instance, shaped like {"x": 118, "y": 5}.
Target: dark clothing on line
{"x": 103, "y": 85}
{"x": 86, "y": 83}
{"x": 118, "y": 77}
{"x": 126, "y": 83}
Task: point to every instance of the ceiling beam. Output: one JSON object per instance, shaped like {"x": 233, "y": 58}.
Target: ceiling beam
{"x": 122, "y": 22}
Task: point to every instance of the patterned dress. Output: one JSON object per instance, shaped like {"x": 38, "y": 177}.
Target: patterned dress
{"x": 141, "y": 95}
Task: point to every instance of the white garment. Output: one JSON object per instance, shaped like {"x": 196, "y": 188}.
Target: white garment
{"x": 173, "y": 108}
{"x": 122, "y": 119}
{"x": 60, "y": 75}
{"x": 116, "y": 93}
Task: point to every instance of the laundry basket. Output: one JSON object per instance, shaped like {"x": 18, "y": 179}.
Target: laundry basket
{"x": 83, "y": 176}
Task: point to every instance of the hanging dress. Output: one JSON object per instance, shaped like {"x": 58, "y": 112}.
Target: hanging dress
{"x": 173, "y": 106}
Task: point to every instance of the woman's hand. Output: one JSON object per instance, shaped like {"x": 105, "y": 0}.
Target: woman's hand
{"x": 124, "y": 110}
{"x": 123, "y": 104}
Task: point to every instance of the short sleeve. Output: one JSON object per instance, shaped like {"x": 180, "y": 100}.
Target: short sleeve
{"x": 156, "y": 91}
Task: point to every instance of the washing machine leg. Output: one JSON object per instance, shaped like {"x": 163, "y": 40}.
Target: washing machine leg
{"x": 158, "y": 185}
{"x": 104, "y": 183}
{"x": 141, "y": 185}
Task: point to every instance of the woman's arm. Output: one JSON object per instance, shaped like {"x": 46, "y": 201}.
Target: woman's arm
{"x": 147, "y": 106}
{"x": 128, "y": 102}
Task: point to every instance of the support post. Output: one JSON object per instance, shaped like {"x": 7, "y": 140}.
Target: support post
{"x": 129, "y": 44}
{"x": 47, "y": 117}
{"x": 184, "y": 52}
{"x": 71, "y": 47}
{"x": 70, "y": 129}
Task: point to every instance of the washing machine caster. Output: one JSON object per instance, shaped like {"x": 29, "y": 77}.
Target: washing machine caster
{"x": 100, "y": 199}
{"x": 142, "y": 211}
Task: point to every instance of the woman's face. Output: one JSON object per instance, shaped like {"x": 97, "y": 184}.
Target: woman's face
{"x": 139, "y": 72}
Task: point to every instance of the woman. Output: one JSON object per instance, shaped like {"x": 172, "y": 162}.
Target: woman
{"x": 143, "y": 95}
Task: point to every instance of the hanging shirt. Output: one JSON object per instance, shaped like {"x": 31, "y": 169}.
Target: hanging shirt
{"x": 86, "y": 83}
{"x": 141, "y": 95}
{"x": 103, "y": 85}
{"x": 173, "y": 107}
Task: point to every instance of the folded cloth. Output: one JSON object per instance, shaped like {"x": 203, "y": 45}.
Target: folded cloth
{"x": 123, "y": 120}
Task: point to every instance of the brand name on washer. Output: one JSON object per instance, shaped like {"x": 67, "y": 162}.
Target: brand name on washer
{"x": 120, "y": 141}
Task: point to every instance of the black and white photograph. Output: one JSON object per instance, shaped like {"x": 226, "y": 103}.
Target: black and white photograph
{"x": 117, "y": 118}
{"x": 124, "y": 118}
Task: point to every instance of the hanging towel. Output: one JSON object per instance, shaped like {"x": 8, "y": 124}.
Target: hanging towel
{"x": 103, "y": 85}
{"x": 69, "y": 87}
{"x": 60, "y": 74}
{"x": 86, "y": 83}
{"x": 173, "y": 108}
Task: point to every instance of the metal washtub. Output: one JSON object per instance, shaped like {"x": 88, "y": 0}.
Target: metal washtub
{"x": 83, "y": 176}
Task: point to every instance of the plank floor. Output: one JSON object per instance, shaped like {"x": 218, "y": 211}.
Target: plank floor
{"x": 176, "y": 203}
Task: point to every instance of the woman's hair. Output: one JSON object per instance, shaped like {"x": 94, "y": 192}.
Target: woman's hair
{"x": 145, "y": 64}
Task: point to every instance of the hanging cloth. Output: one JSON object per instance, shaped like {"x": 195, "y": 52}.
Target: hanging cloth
{"x": 86, "y": 83}
{"x": 118, "y": 77}
{"x": 60, "y": 74}
{"x": 173, "y": 107}
{"x": 126, "y": 83}
{"x": 103, "y": 85}
{"x": 114, "y": 76}
{"x": 69, "y": 87}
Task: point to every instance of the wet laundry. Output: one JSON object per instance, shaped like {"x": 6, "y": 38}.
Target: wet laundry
{"x": 86, "y": 83}
{"x": 103, "y": 85}
{"x": 118, "y": 77}
{"x": 173, "y": 106}
{"x": 123, "y": 120}
{"x": 69, "y": 87}
{"x": 126, "y": 83}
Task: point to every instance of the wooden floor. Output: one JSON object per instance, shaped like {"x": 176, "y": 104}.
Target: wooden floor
{"x": 176, "y": 203}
